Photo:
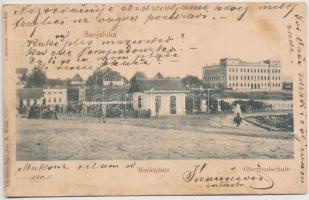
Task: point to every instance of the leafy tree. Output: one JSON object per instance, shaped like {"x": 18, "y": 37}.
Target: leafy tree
{"x": 36, "y": 79}
{"x": 191, "y": 80}
{"x": 138, "y": 75}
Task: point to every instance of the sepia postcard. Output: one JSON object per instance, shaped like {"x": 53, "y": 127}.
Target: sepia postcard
{"x": 154, "y": 99}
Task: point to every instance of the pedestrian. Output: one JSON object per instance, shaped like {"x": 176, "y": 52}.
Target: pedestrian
{"x": 237, "y": 110}
{"x": 55, "y": 116}
{"x": 70, "y": 110}
{"x": 157, "y": 107}
{"x": 237, "y": 119}
{"x": 101, "y": 109}
{"x": 83, "y": 110}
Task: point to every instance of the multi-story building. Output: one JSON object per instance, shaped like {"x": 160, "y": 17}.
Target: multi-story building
{"x": 236, "y": 74}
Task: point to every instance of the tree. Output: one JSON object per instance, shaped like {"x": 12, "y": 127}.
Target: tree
{"x": 36, "y": 79}
{"x": 138, "y": 75}
{"x": 191, "y": 80}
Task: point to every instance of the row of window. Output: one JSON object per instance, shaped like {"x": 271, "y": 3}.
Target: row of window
{"x": 216, "y": 78}
{"x": 112, "y": 79}
{"x": 55, "y": 100}
{"x": 254, "y": 70}
{"x": 52, "y": 92}
{"x": 254, "y": 78}
{"x": 157, "y": 101}
{"x": 213, "y": 71}
{"x": 254, "y": 85}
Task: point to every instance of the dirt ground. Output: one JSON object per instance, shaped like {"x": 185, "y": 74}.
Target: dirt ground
{"x": 174, "y": 137}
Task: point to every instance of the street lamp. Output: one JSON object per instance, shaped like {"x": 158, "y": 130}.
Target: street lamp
{"x": 103, "y": 94}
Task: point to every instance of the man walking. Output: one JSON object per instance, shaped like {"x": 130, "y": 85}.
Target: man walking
{"x": 101, "y": 112}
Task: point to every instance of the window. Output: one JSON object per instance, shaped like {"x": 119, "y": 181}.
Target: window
{"x": 173, "y": 105}
{"x": 55, "y": 100}
{"x": 139, "y": 102}
{"x": 59, "y": 100}
{"x": 158, "y": 102}
{"x": 60, "y": 92}
{"x": 49, "y": 92}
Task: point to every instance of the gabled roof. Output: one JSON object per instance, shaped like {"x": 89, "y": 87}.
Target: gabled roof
{"x": 29, "y": 93}
{"x": 77, "y": 77}
{"x": 142, "y": 85}
{"x": 158, "y": 76}
{"x": 21, "y": 70}
{"x": 125, "y": 80}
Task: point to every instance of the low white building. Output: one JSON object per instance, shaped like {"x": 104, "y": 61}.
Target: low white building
{"x": 29, "y": 96}
{"x": 168, "y": 95}
{"x": 54, "y": 96}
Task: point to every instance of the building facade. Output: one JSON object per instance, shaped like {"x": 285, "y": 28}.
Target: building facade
{"x": 29, "y": 96}
{"x": 54, "y": 96}
{"x": 165, "y": 95}
{"x": 236, "y": 74}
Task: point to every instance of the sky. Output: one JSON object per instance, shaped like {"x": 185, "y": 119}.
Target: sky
{"x": 258, "y": 36}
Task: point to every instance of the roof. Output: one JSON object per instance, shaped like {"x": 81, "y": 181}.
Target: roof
{"x": 29, "y": 93}
{"x": 77, "y": 77}
{"x": 158, "y": 76}
{"x": 143, "y": 85}
{"x": 21, "y": 70}
{"x": 110, "y": 94}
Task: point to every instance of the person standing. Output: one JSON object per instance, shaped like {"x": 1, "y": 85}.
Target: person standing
{"x": 237, "y": 119}
{"x": 101, "y": 109}
{"x": 103, "y": 116}
{"x": 237, "y": 110}
{"x": 157, "y": 107}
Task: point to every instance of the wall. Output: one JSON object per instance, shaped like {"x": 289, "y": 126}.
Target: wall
{"x": 55, "y": 96}
{"x": 148, "y": 102}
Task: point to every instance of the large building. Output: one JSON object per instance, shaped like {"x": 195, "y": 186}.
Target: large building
{"x": 236, "y": 74}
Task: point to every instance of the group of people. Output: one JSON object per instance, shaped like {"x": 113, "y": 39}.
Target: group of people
{"x": 37, "y": 111}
